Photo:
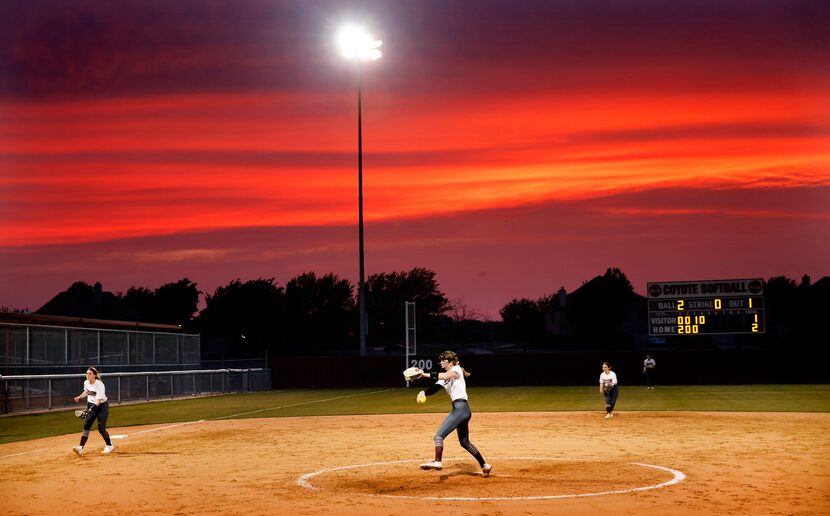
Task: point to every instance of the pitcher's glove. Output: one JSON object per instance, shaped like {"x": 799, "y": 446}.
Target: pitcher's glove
{"x": 412, "y": 373}
{"x": 82, "y": 414}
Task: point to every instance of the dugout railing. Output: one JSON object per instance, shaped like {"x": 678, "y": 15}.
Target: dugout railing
{"x": 23, "y": 393}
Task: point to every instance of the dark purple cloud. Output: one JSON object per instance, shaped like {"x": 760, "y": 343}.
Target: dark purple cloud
{"x": 491, "y": 47}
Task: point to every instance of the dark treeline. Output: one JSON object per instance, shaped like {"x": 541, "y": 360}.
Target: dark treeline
{"x": 314, "y": 314}
{"x": 310, "y": 314}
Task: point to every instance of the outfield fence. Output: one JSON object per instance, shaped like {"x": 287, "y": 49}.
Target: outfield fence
{"x": 38, "y": 345}
{"x": 46, "y": 392}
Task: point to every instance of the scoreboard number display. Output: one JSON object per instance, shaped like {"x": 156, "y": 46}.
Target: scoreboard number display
{"x": 706, "y": 307}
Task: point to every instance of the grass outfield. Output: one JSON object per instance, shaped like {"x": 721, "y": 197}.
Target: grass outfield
{"x": 328, "y": 402}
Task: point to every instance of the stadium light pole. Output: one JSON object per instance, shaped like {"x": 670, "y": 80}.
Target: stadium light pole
{"x": 358, "y": 45}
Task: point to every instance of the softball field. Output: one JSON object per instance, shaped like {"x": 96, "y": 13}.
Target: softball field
{"x": 543, "y": 463}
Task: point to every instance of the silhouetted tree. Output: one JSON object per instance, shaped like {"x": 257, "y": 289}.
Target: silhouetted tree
{"x": 547, "y": 304}
{"x": 599, "y": 307}
{"x": 460, "y": 311}
{"x": 248, "y": 316}
{"x": 318, "y": 312}
{"x": 175, "y": 303}
{"x": 142, "y": 301}
{"x": 461, "y": 318}
{"x": 386, "y": 295}
{"x": 523, "y": 321}
{"x": 171, "y": 303}
{"x": 10, "y": 310}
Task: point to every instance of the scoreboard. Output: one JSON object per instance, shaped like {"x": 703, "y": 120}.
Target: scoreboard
{"x": 706, "y": 307}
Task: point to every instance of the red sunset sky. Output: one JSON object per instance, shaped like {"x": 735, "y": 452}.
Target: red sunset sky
{"x": 513, "y": 147}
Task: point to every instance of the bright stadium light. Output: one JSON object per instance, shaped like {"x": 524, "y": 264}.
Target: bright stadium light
{"x": 357, "y": 44}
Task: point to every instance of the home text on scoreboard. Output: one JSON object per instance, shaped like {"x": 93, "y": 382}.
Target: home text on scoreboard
{"x": 706, "y": 307}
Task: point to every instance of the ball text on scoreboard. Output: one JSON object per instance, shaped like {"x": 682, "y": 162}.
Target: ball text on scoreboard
{"x": 706, "y": 307}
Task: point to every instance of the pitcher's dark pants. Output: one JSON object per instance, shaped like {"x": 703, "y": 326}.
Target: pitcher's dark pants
{"x": 101, "y": 413}
{"x": 457, "y": 420}
{"x": 611, "y": 398}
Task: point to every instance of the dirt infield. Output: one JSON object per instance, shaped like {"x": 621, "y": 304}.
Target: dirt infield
{"x": 563, "y": 463}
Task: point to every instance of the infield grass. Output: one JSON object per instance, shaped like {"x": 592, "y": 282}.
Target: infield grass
{"x": 329, "y": 402}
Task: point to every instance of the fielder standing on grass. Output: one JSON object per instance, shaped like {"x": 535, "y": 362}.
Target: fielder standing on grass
{"x": 96, "y": 408}
{"x": 648, "y": 369}
{"x": 608, "y": 388}
{"x": 453, "y": 381}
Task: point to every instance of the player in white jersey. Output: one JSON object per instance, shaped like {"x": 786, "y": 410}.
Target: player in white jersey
{"x": 608, "y": 388}
{"x": 97, "y": 407}
{"x": 649, "y": 366}
{"x": 453, "y": 381}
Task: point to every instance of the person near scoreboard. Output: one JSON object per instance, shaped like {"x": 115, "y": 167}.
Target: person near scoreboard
{"x": 649, "y": 366}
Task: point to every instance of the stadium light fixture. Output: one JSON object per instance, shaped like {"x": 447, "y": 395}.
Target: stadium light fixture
{"x": 357, "y": 44}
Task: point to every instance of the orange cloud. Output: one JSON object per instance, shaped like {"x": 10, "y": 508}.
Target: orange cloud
{"x": 97, "y": 170}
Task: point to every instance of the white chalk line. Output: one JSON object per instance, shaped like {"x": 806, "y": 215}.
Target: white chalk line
{"x": 678, "y": 476}
{"x": 124, "y": 436}
{"x": 23, "y": 453}
{"x": 301, "y": 403}
{"x": 165, "y": 427}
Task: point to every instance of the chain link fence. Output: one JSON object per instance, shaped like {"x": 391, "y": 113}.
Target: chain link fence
{"x": 23, "y": 393}
{"x": 46, "y": 349}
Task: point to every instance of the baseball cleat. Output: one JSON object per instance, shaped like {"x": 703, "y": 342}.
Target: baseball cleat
{"x": 436, "y": 464}
{"x": 78, "y": 450}
{"x": 108, "y": 449}
{"x": 485, "y": 470}
{"x": 608, "y": 416}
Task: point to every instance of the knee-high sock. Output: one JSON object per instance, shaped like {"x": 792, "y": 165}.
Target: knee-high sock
{"x": 470, "y": 447}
